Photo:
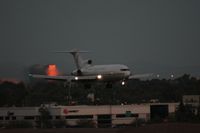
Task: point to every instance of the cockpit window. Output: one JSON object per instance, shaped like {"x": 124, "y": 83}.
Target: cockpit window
{"x": 124, "y": 69}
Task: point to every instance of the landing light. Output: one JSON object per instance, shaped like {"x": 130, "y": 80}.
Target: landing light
{"x": 99, "y": 76}
{"x": 76, "y": 78}
{"x": 123, "y": 83}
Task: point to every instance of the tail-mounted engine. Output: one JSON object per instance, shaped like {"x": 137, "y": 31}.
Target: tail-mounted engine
{"x": 88, "y": 62}
{"x": 79, "y": 72}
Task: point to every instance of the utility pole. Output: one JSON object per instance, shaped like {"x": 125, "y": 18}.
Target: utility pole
{"x": 67, "y": 86}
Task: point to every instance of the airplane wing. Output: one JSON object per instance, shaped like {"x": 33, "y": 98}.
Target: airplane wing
{"x": 64, "y": 78}
{"x": 140, "y": 76}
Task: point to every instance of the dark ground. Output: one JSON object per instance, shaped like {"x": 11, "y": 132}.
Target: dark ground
{"x": 153, "y": 128}
{"x": 164, "y": 128}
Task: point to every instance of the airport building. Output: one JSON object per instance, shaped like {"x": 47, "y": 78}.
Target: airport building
{"x": 110, "y": 115}
{"x": 193, "y": 100}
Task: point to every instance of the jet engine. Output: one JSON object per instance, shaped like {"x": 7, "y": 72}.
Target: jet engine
{"x": 89, "y": 62}
{"x": 79, "y": 72}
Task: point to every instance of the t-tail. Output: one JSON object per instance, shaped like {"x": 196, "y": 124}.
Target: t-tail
{"x": 79, "y": 62}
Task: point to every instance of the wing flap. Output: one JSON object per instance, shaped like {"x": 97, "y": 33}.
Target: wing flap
{"x": 140, "y": 75}
{"x": 64, "y": 78}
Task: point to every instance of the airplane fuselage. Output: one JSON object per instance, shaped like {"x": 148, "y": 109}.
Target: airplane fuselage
{"x": 108, "y": 72}
{"x": 88, "y": 72}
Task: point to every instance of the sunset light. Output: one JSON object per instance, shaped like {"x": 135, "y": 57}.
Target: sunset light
{"x": 52, "y": 70}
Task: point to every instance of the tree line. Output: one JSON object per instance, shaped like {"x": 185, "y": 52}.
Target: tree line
{"x": 38, "y": 92}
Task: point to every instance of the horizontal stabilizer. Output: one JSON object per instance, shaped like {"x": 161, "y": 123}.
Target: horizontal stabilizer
{"x": 72, "y": 51}
{"x": 77, "y": 58}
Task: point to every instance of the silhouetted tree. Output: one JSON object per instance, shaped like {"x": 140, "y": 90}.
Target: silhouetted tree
{"x": 136, "y": 91}
{"x": 12, "y": 94}
{"x": 44, "y": 118}
{"x": 185, "y": 113}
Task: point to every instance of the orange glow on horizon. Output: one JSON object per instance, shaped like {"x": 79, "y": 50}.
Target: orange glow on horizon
{"x": 12, "y": 80}
{"x": 52, "y": 70}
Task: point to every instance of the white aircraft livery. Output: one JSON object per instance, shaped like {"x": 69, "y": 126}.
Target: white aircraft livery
{"x": 86, "y": 71}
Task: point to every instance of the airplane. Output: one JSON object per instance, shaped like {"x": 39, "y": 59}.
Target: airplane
{"x": 86, "y": 71}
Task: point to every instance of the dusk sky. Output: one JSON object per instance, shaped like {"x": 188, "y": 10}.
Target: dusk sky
{"x": 149, "y": 36}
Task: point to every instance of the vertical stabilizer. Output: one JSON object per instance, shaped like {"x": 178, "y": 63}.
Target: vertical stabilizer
{"x": 79, "y": 62}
